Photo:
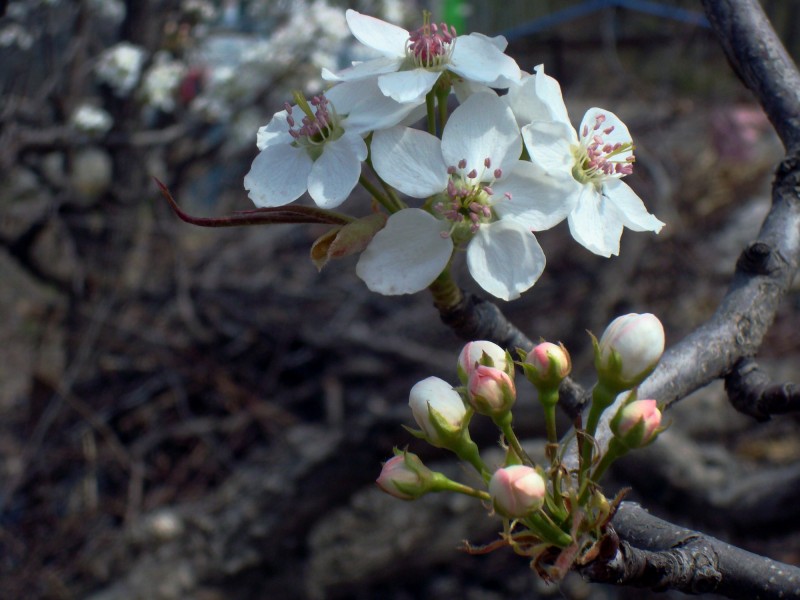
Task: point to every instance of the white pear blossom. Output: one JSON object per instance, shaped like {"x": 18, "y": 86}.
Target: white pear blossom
{"x": 412, "y": 62}
{"x": 319, "y": 147}
{"x": 316, "y": 155}
{"x": 589, "y": 166}
{"x": 481, "y": 195}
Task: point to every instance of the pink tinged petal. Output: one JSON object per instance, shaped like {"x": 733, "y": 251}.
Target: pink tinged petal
{"x": 630, "y": 206}
{"x": 370, "y": 68}
{"x": 549, "y": 145}
{"x": 406, "y": 255}
{"x": 275, "y": 132}
{"x": 477, "y": 58}
{"x": 335, "y": 173}
{"x": 388, "y": 39}
{"x": 408, "y": 86}
{"x": 278, "y": 175}
{"x": 537, "y": 200}
{"x": 549, "y": 93}
{"x": 505, "y": 259}
{"x": 482, "y": 127}
{"x": 409, "y": 160}
{"x": 595, "y": 223}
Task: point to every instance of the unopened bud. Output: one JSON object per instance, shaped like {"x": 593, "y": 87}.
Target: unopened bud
{"x": 405, "y": 477}
{"x": 636, "y": 424}
{"x": 629, "y": 350}
{"x": 438, "y": 410}
{"x": 547, "y": 365}
{"x": 483, "y": 353}
{"x": 491, "y": 391}
{"x": 516, "y": 491}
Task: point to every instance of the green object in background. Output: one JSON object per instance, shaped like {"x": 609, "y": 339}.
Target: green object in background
{"x": 454, "y": 15}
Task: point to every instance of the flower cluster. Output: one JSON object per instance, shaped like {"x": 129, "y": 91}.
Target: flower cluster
{"x": 482, "y": 178}
{"x": 552, "y": 512}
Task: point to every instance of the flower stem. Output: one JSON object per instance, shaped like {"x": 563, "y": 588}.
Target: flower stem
{"x": 468, "y": 451}
{"x": 442, "y": 93}
{"x": 443, "y": 484}
{"x": 446, "y": 293}
{"x": 377, "y": 194}
{"x": 549, "y": 399}
{"x": 504, "y": 424}
{"x": 430, "y": 100}
{"x": 602, "y": 398}
{"x": 548, "y": 531}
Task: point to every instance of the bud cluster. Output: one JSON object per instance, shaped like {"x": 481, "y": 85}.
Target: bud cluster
{"x": 552, "y": 508}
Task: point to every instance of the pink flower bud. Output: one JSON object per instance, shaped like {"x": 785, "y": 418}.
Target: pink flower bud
{"x": 438, "y": 410}
{"x": 629, "y": 350}
{"x": 405, "y": 477}
{"x": 636, "y": 424}
{"x": 491, "y": 391}
{"x": 516, "y": 491}
{"x": 480, "y": 352}
{"x": 547, "y": 365}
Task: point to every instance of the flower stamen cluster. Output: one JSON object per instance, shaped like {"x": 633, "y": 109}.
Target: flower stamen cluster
{"x": 596, "y": 157}
{"x": 319, "y": 124}
{"x": 431, "y": 46}
{"x": 468, "y": 197}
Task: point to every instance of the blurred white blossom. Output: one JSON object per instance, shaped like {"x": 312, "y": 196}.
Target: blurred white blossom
{"x": 91, "y": 119}
{"x": 120, "y": 67}
{"x": 112, "y": 11}
{"x": 161, "y": 82}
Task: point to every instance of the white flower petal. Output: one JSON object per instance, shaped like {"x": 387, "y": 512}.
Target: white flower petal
{"x": 619, "y": 133}
{"x": 548, "y": 91}
{"x": 477, "y": 58}
{"x": 538, "y": 201}
{"x": 631, "y": 208}
{"x": 483, "y": 127}
{"x": 275, "y": 132}
{"x": 505, "y": 259}
{"x": 595, "y": 222}
{"x": 366, "y": 107}
{"x": 499, "y": 41}
{"x": 409, "y": 160}
{"x": 408, "y": 86}
{"x": 335, "y": 173}
{"x": 278, "y": 175}
{"x": 549, "y": 145}
{"x": 370, "y": 68}
{"x": 464, "y": 88}
{"x": 388, "y": 39}
{"x": 406, "y": 255}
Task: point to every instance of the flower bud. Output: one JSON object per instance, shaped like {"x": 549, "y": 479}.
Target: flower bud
{"x": 629, "y": 350}
{"x": 484, "y": 353}
{"x": 516, "y": 491}
{"x": 405, "y": 477}
{"x": 438, "y": 410}
{"x": 636, "y": 424}
{"x": 490, "y": 391}
{"x": 547, "y": 365}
